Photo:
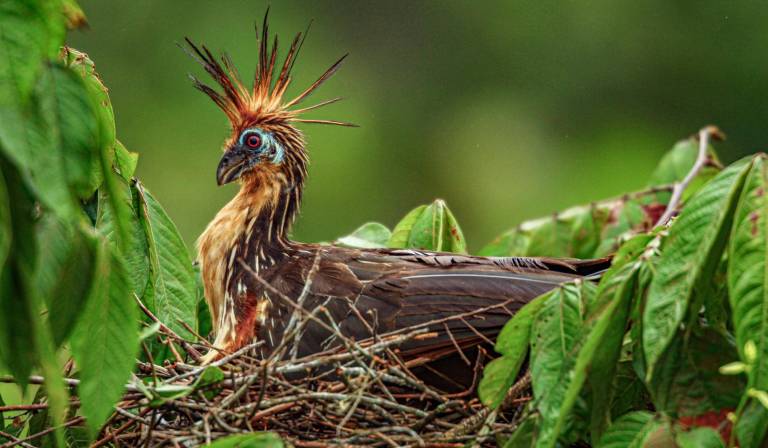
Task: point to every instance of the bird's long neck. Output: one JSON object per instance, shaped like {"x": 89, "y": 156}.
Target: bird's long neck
{"x": 270, "y": 202}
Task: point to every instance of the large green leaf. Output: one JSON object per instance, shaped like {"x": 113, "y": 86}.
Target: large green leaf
{"x": 555, "y": 336}
{"x": 106, "y": 339}
{"x": 250, "y": 440}
{"x": 429, "y": 227}
{"x": 30, "y": 32}
{"x": 747, "y": 276}
{"x": 597, "y": 352}
{"x": 632, "y": 430}
{"x": 25, "y": 336}
{"x": 172, "y": 278}
{"x": 66, "y": 273}
{"x": 135, "y": 254}
{"x": 5, "y": 221}
{"x": 598, "y": 359}
{"x": 748, "y": 291}
{"x": 16, "y": 306}
{"x": 512, "y": 343}
{"x": 690, "y": 256}
{"x": 74, "y": 129}
{"x": 750, "y": 427}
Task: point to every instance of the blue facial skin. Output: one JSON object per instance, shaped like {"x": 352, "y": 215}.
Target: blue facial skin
{"x": 269, "y": 146}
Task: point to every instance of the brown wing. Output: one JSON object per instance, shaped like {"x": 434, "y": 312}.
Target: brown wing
{"x": 463, "y": 300}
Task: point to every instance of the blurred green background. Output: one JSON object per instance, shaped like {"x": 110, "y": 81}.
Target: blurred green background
{"x": 507, "y": 110}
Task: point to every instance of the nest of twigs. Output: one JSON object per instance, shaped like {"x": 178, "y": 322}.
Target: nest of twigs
{"x": 362, "y": 394}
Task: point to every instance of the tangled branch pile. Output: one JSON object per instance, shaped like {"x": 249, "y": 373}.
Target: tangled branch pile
{"x": 362, "y": 394}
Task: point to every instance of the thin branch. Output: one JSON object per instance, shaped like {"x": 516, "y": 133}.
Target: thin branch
{"x": 701, "y": 161}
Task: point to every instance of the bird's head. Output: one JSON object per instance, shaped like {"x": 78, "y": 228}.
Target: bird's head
{"x": 265, "y": 143}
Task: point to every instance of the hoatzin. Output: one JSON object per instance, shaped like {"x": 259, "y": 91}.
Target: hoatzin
{"x": 248, "y": 261}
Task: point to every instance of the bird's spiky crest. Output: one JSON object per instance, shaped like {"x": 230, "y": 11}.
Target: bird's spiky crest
{"x": 263, "y": 103}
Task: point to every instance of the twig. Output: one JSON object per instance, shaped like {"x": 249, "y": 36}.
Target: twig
{"x": 701, "y": 160}
{"x": 74, "y": 421}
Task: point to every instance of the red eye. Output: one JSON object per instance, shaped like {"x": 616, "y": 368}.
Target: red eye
{"x": 253, "y": 141}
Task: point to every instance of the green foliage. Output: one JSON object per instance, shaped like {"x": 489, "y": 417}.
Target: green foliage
{"x": 80, "y": 239}
{"x": 666, "y": 348}
{"x": 658, "y": 325}
{"x": 691, "y": 254}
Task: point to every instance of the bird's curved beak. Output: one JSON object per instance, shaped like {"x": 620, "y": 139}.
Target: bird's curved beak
{"x": 231, "y": 166}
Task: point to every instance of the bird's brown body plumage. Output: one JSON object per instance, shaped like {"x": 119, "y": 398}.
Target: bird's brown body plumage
{"x": 253, "y": 273}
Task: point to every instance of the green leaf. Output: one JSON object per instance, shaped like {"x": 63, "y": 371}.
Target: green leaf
{"x": 135, "y": 255}
{"x": 429, "y": 227}
{"x": 701, "y": 437}
{"x": 174, "y": 292}
{"x": 747, "y": 276}
{"x": 598, "y": 359}
{"x": 250, "y": 440}
{"x": 688, "y": 382}
{"x": 30, "y": 32}
{"x": 162, "y": 393}
{"x": 632, "y": 430}
{"x": 106, "y": 340}
{"x": 689, "y": 258}
{"x": 16, "y": 305}
{"x": 149, "y": 331}
{"x": 370, "y": 235}
{"x": 5, "y": 221}
{"x": 402, "y": 231}
{"x": 79, "y": 63}
{"x": 204, "y": 323}
{"x": 125, "y": 161}
{"x": 66, "y": 273}
{"x": 55, "y": 141}
{"x": 500, "y": 374}
{"x": 751, "y": 430}
{"x": 597, "y": 352}
{"x": 587, "y": 231}
{"x": 74, "y": 124}
{"x": 556, "y": 333}
{"x": 210, "y": 377}
{"x": 525, "y": 433}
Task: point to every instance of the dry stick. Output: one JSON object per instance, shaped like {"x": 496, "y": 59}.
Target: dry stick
{"x": 74, "y": 421}
{"x": 701, "y": 161}
{"x": 31, "y": 407}
{"x": 198, "y": 370}
{"x": 475, "y": 421}
{"x": 120, "y": 429}
{"x": 167, "y": 330}
{"x": 13, "y": 438}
